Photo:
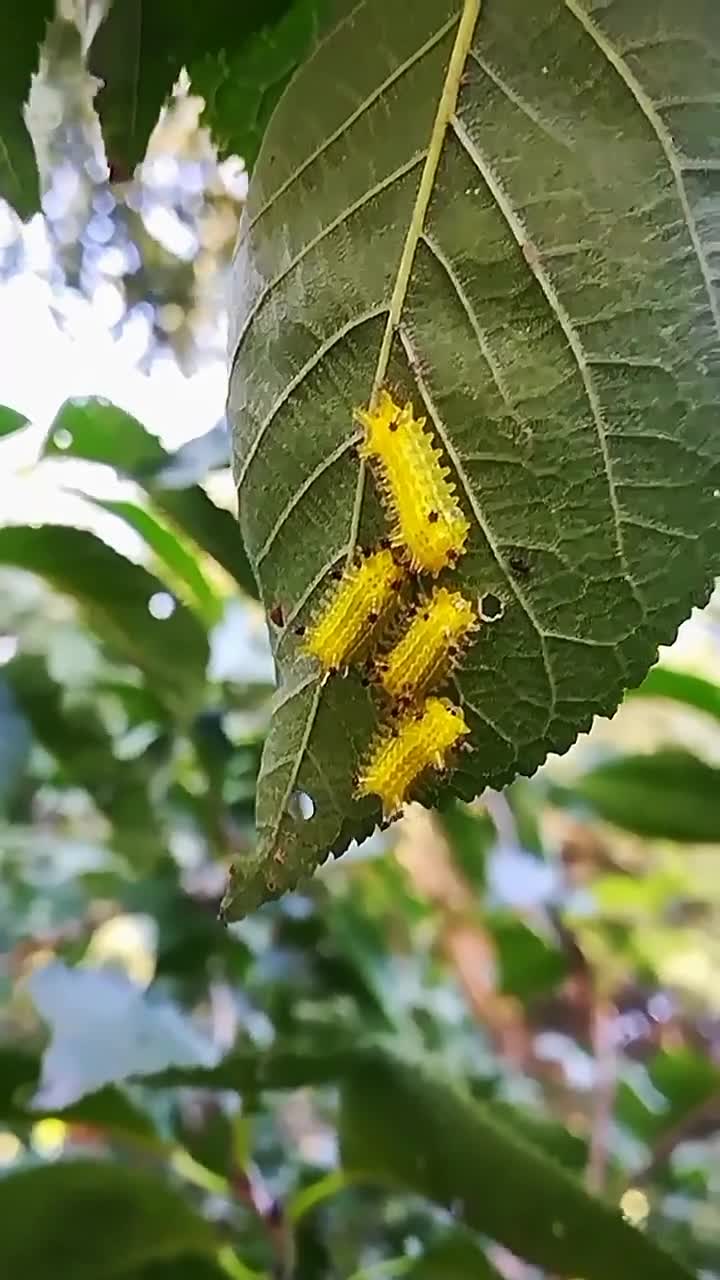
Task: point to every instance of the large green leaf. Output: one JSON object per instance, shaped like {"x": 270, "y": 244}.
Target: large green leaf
{"x": 88, "y": 1220}
{"x": 98, "y": 431}
{"x": 116, "y": 595}
{"x": 508, "y": 213}
{"x": 401, "y": 1125}
{"x": 290, "y": 1067}
{"x": 21, "y": 33}
{"x": 670, "y": 795}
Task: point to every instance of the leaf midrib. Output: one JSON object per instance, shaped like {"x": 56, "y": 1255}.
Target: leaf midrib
{"x": 466, "y": 25}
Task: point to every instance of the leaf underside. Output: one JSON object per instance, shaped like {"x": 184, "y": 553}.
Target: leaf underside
{"x": 539, "y": 274}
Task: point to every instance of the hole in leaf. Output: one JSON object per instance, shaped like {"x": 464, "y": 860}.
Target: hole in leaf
{"x": 491, "y": 607}
{"x": 62, "y": 438}
{"x": 301, "y": 806}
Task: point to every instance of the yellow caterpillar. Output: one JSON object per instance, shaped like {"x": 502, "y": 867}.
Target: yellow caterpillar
{"x": 399, "y": 756}
{"x": 427, "y": 519}
{"x": 365, "y": 594}
{"x": 436, "y": 635}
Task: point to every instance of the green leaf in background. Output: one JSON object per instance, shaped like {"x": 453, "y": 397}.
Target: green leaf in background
{"x": 97, "y": 431}
{"x": 10, "y": 419}
{"x": 143, "y": 45}
{"x": 403, "y": 1126}
{"x": 286, "y": 1067}
{"x": 91, "y": 1220}
{"x": 456, "y": 1256}
{"x": 515, "y": 233}
{"x": 471, "y": 835}
{"x": 116, "y": 595}
{"x": 250, "y": 1071}
{"x": 680, "y": 686}
{"x": 188, "y": 1268}
{"x": 241, "y": 85}
{"x": 77, "y": 739}
{"x": 22, "y": 31}
{"x": 529, "y": 964}
{"x": 105, "y": 1029}
{"x": 172, "y": 554}
{"x": 667, "y": 795}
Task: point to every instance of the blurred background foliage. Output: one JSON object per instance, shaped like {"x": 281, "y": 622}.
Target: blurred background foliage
{"x": 181, "y": 1102}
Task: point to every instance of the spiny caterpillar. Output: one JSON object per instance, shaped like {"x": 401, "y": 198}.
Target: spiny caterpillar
{"x": 428, "y": 521}
{"x": 399, "y": 756}
{"x": 436, "y": 635}
{"x": 365, "y": 593}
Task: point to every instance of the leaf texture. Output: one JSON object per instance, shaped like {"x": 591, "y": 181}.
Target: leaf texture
{"x": 508, "y": 213}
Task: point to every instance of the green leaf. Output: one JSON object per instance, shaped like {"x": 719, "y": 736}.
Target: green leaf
{"x": 669, "y": 795}
{"x": 98, "y": 431}
{"x": 115, "y": 595}
{"x": 171, "y": 553}
{"x": 249, "y": 1072}
{"x": 77, "y": 739}
{"x": 91, "y": 1220}
{"x": 143, "y": 45}
{"x": 516, "y": 234}
{"x": 21, "y": 33}
{"x": 471, "y": 836}
{"x": 552, "y": 1138}
{"x": 10, "y": 419}
{"x": 529, "y": 964}
{"x": 104, "y": 1030}
{"x": 242, "y": 85}
{"x": 401, "y": 1125}
{"x": 680, "y": 686}
{"x": 456, "y": 1256}
{"x": 185, "y": 1268}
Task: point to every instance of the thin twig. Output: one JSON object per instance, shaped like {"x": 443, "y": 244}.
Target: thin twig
{"x": 604, "y": 1016}
{"x": 249, "y": 1188}
{"x": 702, "y": 1119}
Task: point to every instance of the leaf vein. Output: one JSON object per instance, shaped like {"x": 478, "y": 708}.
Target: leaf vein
{"x": 319, "y": 355}
{"x": 300, "y": 493}
{"x": 352, "y": 119}
{"x": 647, "y": 106}
{"x": 566, "y": 324}
{"x": 383, "y": 185}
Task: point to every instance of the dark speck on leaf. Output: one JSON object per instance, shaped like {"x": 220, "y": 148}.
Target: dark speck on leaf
{"x": 520, "y": 566}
